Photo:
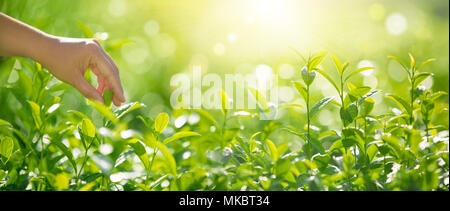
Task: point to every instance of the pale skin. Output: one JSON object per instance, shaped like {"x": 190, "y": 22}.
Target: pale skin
{"x": 66, "y": 58}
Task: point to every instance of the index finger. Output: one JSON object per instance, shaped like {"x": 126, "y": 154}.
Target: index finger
{"x": 106, "y": 69}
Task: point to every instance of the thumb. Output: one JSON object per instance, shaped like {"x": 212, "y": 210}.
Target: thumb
{"x": 88, "y": 90}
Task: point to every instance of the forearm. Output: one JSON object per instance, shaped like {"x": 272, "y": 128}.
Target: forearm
{"x": 19, "y": 39}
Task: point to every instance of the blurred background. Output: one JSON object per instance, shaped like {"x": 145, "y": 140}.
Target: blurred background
{"x": 152, "y": 40}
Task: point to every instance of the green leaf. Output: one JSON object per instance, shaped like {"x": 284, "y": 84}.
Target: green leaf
{"x": 316, "y": 59}
{"x": 425, "y": 62}
{"x": 301, "y": 89}
{"x": 161, "y": 122}
{"x": 103, "y": 110}
{"x": 139, "y": 149}
{"x": 370, "y": 94}
{"x": 272, "y": 150}
{"x": 400, "y": 102}
{"x": 412, "y": 62}
{"x": 4, "y": 123}
{"x": 6, "y": 148}
{"x": 436, "y": 95}
{"x": 324, "y": 74}
{"x": 371, "y": 152}
{"x": 358, "y": 71}
{"x": 225, "y": 101}
{"x": 206, "y": 115}
{"x": 88, "y": 128}
{"x": 170, "y": 161}
{"x": 316, "y": 144}
{"x": 36, "y": 113}
{"x": 290, "y": 106}
{"x": 393, "y": 144}
{"x": 294, "y": 131}
{"x": 252, "y": 143}
{"x": 127, "y": 108}
{"x": 337, "y": 63}
{"x": 366, "y": 106}
{"x": 336, "y": 145}
{"x": 107, "y": 97}
{"x": 349, "y": 114}
{"x": 180, "y": 135}
{"x": 80, "y": 116}
{"x": 321, "y": 161}
{"x": 146, "y": 120}
{"x": 420, "y": 77}
{"x": 65, "y": 151}
{"x": 282, "y": 167}
{"x": 398, "y": 61}
{"x": 308, "y": 76}
{"x": 260, "y": 98}
{"x": 319, "y": 105}
{"x": 355, "y": 94}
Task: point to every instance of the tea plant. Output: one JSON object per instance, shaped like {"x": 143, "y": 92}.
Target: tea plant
{"x": 101, "y": 147}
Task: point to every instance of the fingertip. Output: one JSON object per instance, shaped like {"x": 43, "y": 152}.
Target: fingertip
{"x": 116, "y": 102}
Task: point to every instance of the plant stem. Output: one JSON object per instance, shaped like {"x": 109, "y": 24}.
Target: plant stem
{"x": 83, "y": 164}
{"x": 411, "y": 113}
{"x": 309, "y": 121}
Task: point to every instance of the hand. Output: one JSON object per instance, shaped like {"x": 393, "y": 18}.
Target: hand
{"x": 66, "y": 58}
{"x": 69, "y": 58}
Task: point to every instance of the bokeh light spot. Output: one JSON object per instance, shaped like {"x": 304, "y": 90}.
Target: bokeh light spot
{"x": 396, "y": 24}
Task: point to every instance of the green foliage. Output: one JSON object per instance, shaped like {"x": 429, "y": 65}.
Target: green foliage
{"x": 51, "y": 140}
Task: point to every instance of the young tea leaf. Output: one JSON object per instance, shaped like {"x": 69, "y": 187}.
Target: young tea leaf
{"x": 161, "y": 122}
{"x": 180, "y": 135}
{"x": 36, "y": 113}
{"x": 319, "y": 105}
{"x": 107, "y": 97}
{"x": 301, "y": 89}
{"x": 6, "y": 148}
{"x": 88, "y": 128}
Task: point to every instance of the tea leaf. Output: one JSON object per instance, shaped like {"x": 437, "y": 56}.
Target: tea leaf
{"x": 272, "y": 150}
{"x": 107, "y": 97}
{"x": 88, "y": 128}
{"x": 301, "y": 89}
{"x": 170, "y": 161}
{"x": 260, "y": 98}
{"x": 420, "y": 77}
{"x": 180, "y": 135}
{"x": 337, "y": 63}
{"x": 316, "y": 59}
{"x": 319, "y": 105}
{"x": 36, "y": 113}
{"x": 161, "y": 122}
{"x": 321, "y": 161}
{"x": 308, "y": 76}
{"x": 324, "y": 74}
{"x": 6, "y": 148}
{"x": 425, "y": 62}
{"x": 399, "y": 101}
{"x": 358, "y": 71}
{"x": 65, "y": 151}
{"x": 127, "y": 108}
{"x": 139, "y": 149}
{"x": 349, "y": 114}
{"x": 412, "y": 62}
{"x": 398, "y": 61}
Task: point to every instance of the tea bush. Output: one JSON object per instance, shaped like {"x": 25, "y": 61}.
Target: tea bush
{"x": 388, "y": 135}
{"x": 45, "y": 147}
